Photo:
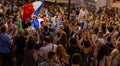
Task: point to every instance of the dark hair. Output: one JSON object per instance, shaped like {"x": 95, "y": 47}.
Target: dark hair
{"x": 47, "y": 39}
{"x": 104, "y": 28}
{"x": 31, "y": 42}
{"x": 3, "y": 29}
{"x": 73, "y": 41}
{"x": 29, "y": 23}
{"x": 110, "y": 28}
{"x": 96, "y": 30}
{"x": 108, "y": 39}
{"x": 86, "y": 44}
{"x": 45, "y": 28}
{"x": 41, "y": 22}
{"x": 76, "y": 58}
{"x": 103, "y": 51}
{"x": 51, "y": 54}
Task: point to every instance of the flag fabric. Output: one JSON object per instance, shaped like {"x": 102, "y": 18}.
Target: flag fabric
{"x": 37, "y": 23}
{"x": 31, "y": 9}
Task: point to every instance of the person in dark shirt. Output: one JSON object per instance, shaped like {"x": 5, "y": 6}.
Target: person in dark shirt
{"x": 72, "y": 48}
{"x": 20, "y": 42}
{"x": 30, "y": 57}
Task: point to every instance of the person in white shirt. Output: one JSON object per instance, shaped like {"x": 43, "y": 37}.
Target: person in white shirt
{"x": 47, "y": 47}
{"x": 83, "y": 13}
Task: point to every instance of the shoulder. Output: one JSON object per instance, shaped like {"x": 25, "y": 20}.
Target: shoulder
{"x": 54, "y": 64}
{"x": 43, "y": 64}
{"x": 6, "y": 36}
{"x": 115, "y": 51}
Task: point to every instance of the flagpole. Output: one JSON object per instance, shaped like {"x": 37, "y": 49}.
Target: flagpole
{"x": 69, "y": 3}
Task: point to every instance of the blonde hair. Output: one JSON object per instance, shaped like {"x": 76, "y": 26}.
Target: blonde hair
{"x": 60, "y": 51}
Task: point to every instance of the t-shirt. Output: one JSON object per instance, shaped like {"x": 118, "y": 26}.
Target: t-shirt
{"x": 20, "y": 42}
{"x": 4, "y": 43}
{"x": 83, "y": 13}
{"x": 46, "y": 49}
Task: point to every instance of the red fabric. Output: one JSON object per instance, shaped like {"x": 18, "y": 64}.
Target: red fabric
{"x": 27, "y": 12}
{"x": 62, "y": 17}
{"x": 44, "y": 20}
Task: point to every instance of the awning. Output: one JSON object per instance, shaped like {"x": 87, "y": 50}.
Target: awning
{"x": 50, "y": 0}
{"x": 65, "y": 1}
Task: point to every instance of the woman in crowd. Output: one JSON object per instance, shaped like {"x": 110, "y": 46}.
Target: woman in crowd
{"x": 30, "y": 55}
{"x": 97, "y": 34}
{"x": 62, "y": 56}
{"x": 103, "y": 56}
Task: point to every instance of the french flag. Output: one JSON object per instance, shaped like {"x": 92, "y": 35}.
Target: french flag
{"x": 31, "y": 9}
{"x": 37, "y": 23}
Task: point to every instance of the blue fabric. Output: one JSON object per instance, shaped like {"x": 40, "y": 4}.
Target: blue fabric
{"x": 73, "y": 16}
{"x": 43, "y": 9}
{"x": 11, "y": 5}
{"x": 50, "y": 15}
{"x": 36, "y": 23}
{"x": 4, "y": 43}
{"x": 38, "y": 10}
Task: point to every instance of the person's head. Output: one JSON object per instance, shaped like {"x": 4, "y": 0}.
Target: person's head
{"x": 47, "y": 39}
{"x": 76, "y": 59}
{"x": 84, "y": 7}
{"x": 100, "y": 34}
{"x": 110, "y": 28}
{"x": 86, "y": 44}
{"x": 46, "y": 28}
{"x": 29, "y": 23}
{"x": 60, "y": 51}
{"x": 4, "y": 29}
{"x": 22, "y": 32}
{"x": 61, "y": 27}
{"x": 51, "y": 55}
{"x": 42, "y": 23}
{"x": 10, "y": 23}
{"x": 104, "y": 28}
{"x": 109, "y": 39}
{"x": 73, "y": 41}
{"x": 58, "y": 34}
{"x": 96, "y": 30}
{"x": 26, "y": 32}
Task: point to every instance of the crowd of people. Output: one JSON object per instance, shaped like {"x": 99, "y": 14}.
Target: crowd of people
{"x": 89, "y": 38}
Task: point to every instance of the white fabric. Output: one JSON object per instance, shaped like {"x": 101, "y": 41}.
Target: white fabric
{"x": 36, "y": 4}
{"x": 82, "y": 13}
{"x": 101, "y": 40}
{"x": 40, "y": 19}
